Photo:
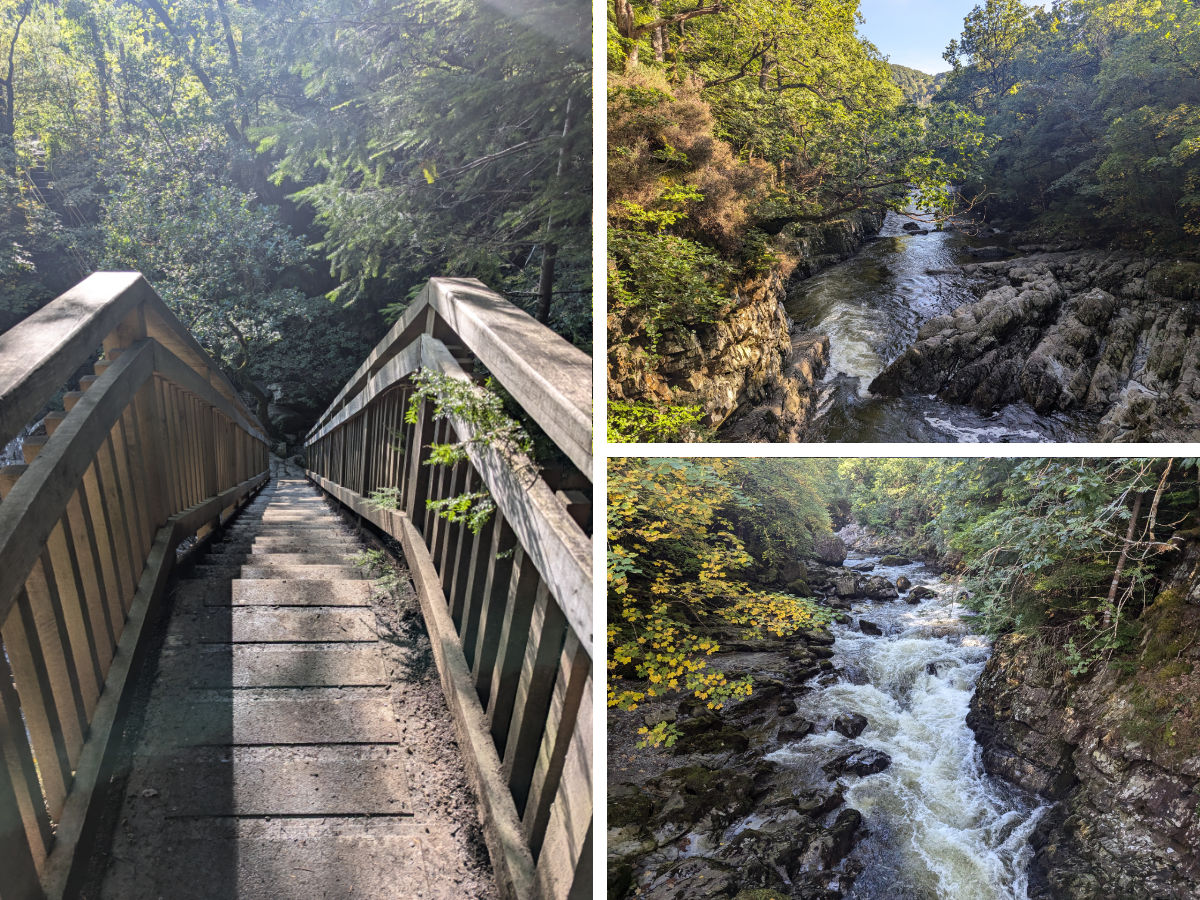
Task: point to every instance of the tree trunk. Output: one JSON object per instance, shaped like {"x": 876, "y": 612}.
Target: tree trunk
{"x": 546, "y": 283}
{"x": 1116, "y": 579}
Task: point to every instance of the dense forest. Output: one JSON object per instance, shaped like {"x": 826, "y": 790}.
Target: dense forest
{"x": 287, "y": 175}
{"x": 918, "y": 87}
{"x": 1095, "y": 108}
{"x": 751, "y": 145}
{"x": 1066, "y": 551}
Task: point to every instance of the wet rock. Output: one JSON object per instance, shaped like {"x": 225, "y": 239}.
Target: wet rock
{"x": 867, "y": 627}
{"x": 990, "y": 252}
{"x": 1115, "y": 750}
{"x": 850, "y": 725}
{"x": 911, "y": 226}
{"x": 931, "y": 669}
{"x": 879, "y": 588}
{"x": 919, "y": 593}
{"x": 846, "y": 585}
{"x": 902, "y": 583}
{"x": 694, "y": 878}
{"x": 796, "y": 729}
{"x": 894, "y": 559}
{"x": 859, "y": 761}
{"x": 1112, "y": 335}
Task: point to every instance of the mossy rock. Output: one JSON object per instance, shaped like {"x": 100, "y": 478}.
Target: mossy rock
{"x": 634, "y": 808}
{"x": 894, "y": 559}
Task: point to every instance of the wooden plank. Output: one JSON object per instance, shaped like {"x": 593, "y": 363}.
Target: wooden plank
{"x": 20, "y": 637}
{"x": 564, "y": 862}
{"x": 515, "y": 633}
{"x": 511, "y": 860}
{"x": 547, "y": 631}
{"x": 500, "y": 563}
{"x": 79, "y": 818}
{"x": 573, "y": 675}
{"x": 100, "y": 534}
{"x": 548, "y": 377}
{"x": 20, "y": 881}
{"x": 553, "y": 540}
{"x": 15, "y": 750}
{"x": 39, "y": 498}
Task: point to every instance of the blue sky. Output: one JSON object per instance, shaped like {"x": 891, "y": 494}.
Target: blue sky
{"x": 914, "y": 32}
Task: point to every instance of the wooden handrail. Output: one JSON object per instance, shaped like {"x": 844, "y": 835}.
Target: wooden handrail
{"x": 509, "y": 609}
{"x": 548, "y": 377}
{"x": 39, "y": 353}
{"x": 155, "y": 449}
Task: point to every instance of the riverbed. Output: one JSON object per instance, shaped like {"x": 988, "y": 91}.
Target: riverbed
{"x": 937, "y": 825}
{"x": 871, "y": 307}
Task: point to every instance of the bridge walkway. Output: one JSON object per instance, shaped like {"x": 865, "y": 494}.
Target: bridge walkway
{"x": 293, "y": 744}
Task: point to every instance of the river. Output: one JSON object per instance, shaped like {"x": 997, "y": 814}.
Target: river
{"x": 938, "y": 825}
{"x": 871, "y": 307}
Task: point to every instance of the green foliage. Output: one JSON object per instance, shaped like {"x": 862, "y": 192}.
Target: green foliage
{"x": 457, "y": 141}
{"x": 1095, "y": 107}
{"x": 1066, "y": 549}
{"x": 644, "y": 422}
{"x": 665, "y": 282}
{"x": 917, "y": 86}
{"x": 673, "y": 559}
{"x": 730, "y": 121}
{"x": 487, "y": 427}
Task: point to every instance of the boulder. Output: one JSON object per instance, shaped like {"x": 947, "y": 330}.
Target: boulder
{"x": 919, "y": 593}
{"x": 879, "y": 588}
{"x": 850, "y": 725}
{"x": 846, "y": 585}
{"x": 859, "y": 761}
{"x": 830, "y": 549}
{"x": 903, "y": 584}
{"x": 895, "y": 559}
{"x": 867, "y": 627}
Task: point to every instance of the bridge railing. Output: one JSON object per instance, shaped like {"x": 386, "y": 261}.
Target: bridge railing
{"x": 153, "y": 448}
{"x": 509, "y": 609}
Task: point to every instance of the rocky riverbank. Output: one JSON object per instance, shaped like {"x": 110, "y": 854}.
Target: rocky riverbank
{"x": 1105, "y": 333}
{"x": 1119, "y": 751}
{"x": 749, "y": 356}
{"x": 714, "y": 815}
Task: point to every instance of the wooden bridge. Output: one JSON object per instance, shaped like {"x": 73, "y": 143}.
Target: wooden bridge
{"x": 270, "y": 736}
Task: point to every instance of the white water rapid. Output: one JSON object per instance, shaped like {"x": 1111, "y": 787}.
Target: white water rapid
{"x": 939, "y": 826}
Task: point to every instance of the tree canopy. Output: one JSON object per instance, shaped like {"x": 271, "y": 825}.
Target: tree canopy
{"x": 259, "y": 160}
{"x": 1094, "y": 103}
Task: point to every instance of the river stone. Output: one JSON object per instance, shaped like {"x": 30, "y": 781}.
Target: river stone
{"x": 902, "y": 583}
{"x": 879, "y": 588}
{"x": 850, "y": 725}
{"x": 867, "y": 627}
{"x": 846, "y": 585}
{"x": 919, "y": 593}
{"x": 894, "y": 559}
{"x": 858, "y": 761}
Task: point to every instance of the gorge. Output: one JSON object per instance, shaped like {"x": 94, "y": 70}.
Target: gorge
{"x": 897, "y": 741}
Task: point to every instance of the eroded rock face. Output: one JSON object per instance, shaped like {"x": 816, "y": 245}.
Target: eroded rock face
{"x": 1120, "y": 753}
{"x": 1107, "y": 333}
{"x": 670, "y": 812}
{"x": 749, "y": 358}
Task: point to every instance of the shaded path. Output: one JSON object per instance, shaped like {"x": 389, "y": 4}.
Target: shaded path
{"x": 295, "y": 743}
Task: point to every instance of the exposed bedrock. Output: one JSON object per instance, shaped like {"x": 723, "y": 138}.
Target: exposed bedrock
{"x": 749, "y": 358}
{"x": 1118, "y": 751}
{"x": 1103, "y": 332}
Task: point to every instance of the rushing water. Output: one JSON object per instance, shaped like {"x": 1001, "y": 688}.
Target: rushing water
{"x": 872, "y": 306}
{"x": 938, "y": 825}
